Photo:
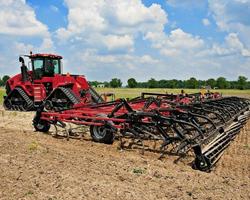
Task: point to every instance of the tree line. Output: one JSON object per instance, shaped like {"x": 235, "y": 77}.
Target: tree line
{"x": 192, "y": 83}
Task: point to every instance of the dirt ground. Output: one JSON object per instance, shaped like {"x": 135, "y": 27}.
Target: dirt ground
{"x": 37, "y": 166}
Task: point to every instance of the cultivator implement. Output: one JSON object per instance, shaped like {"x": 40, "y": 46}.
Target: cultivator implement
{"x": 179, "y": 124}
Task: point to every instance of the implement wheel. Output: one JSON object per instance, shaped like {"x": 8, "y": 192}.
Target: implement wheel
{"x": 42, "y": 126}
{"x": 102, "y": 134}
{"x": 201, "y": 162}
{"x": 202, "y": 165}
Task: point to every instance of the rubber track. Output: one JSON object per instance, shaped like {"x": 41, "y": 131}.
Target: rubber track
{"x": 25, "y": 97}
{"x": 95, "y": 96}
{"x": 68, "y": 93}
{"x": 72, "y": 97}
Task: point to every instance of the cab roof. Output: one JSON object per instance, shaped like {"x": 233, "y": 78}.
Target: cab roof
{"x": 44, "y": 55}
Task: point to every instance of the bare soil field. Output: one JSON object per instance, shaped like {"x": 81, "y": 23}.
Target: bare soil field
{"x": 37, "y": 166}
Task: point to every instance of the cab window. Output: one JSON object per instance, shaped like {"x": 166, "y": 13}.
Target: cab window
{"x": 38, "y": 65}
{"x": 56, "y": 64}
{"x": 46, "y": 67}
{"x": 52, "y": 67}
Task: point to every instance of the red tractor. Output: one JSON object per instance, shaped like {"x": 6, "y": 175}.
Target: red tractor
{"x": 45, "y": 83}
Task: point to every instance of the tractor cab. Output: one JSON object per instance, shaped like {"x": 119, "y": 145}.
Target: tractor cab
{"x": 45, "y": 65}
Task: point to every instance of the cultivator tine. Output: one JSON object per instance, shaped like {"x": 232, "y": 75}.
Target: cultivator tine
{"x": 67, "y": 133}
{"x": 121, "y": 143}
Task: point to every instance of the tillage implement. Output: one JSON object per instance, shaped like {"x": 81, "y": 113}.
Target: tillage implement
{"x": 202, "y": 126}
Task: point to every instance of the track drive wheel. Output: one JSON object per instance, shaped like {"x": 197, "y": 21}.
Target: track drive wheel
{"x": 48, "y": 105}
{"x": 7, "y": 104}
{"x": 17, "y": 99}
{"x": 60, "y": 99}
{"x": 42, "y": 126}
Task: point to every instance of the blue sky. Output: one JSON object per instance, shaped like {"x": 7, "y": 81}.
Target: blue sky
{"x": 102, "y": 39}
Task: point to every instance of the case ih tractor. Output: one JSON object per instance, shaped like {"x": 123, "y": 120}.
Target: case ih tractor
{"x": 45, "y": 83}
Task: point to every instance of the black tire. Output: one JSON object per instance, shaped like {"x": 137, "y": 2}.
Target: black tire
{"x": 202, "y": 165}
{"x": 42, "y": 126}
{"x": 101, "y": 134}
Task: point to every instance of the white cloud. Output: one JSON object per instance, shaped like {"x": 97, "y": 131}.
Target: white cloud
{"x": 232, "y": 16}
{"x": 19, "y": 24}
{"x": 177, "y": 43}
{"x": 205, "y": 22}
{"x": 17, "y": 18}
{"x": 148, "y": 60}
{"x": 231, "y": 46}
{"x": 114, "y": 42}
{"x": 134, "y": 13}
{"x": 23, "y": 48}
{"x": 180, "y": 39}
{"x": 104, "y": 34}
{"x": 116, "y": 38}
{"x": 91, "y": 55}
{"x": 47, "y": 45}
{"x": 114, "y": 23}
{"x": 103, "y": 67}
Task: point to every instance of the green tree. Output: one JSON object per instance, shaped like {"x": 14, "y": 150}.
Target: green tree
{"x": 93, "y": 83}
{"x": 132, "y": 83}
{"x": 1, "y": 82}
{"x": 152, "y": 83}
{"x": 142, "y": 84}
{"x": 211, "y": 82}
{"x": 221, "y": 83}
{"x": 115, "y": 83}
{"x": 248, "y": 85}
{"x": 192, "y": 83}
{"x": 242, "y": 82}
{"x": 201, "y": 83}
{"x": 4, "y": 79}
{"x": 162, "y": 83}
{"x": 233, "y": 84}
{"x": 180, "y": 84}
{"x": 106, "y": 84}
{"x": 173, "y": 83}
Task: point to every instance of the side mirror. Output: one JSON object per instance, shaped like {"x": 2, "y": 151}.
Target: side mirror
{"x": 21, "y": 60}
